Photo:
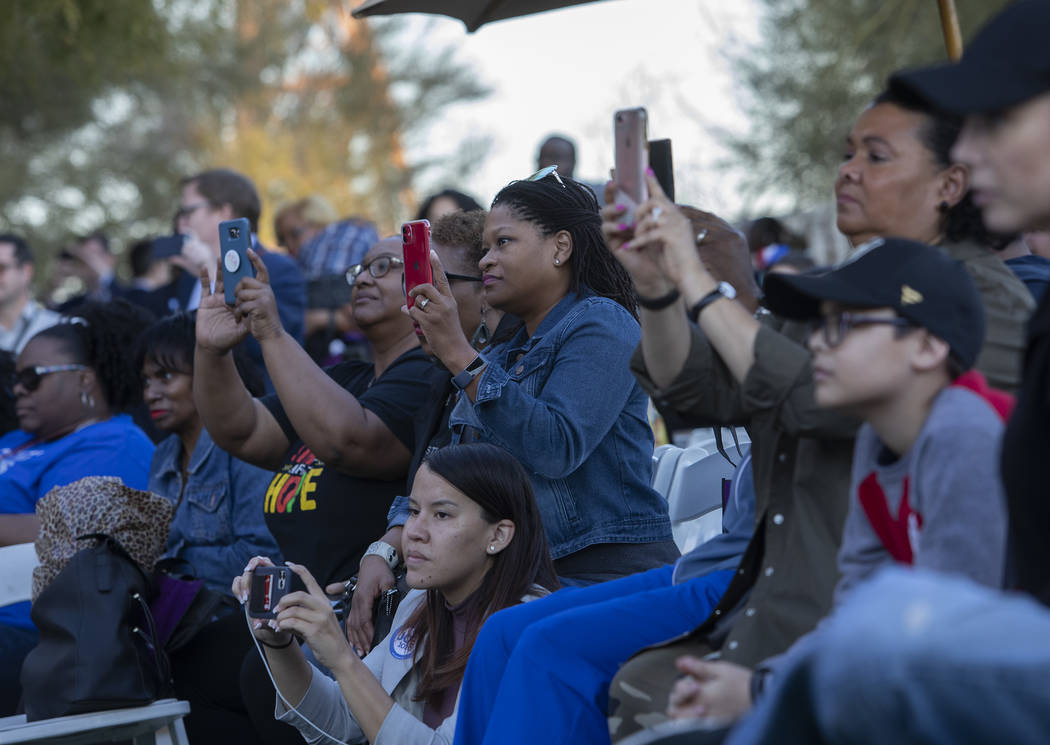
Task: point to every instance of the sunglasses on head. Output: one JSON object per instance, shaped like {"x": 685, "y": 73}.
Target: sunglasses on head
{"x": 544, "y": 173}
{"x": 31, "y": 377}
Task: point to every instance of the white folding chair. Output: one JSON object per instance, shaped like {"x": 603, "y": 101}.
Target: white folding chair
{"x": 160, "y": 723}
{"x": 16, "y": 572}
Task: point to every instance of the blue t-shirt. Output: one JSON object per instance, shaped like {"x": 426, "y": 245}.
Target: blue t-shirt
{"x": 30, "y": 469}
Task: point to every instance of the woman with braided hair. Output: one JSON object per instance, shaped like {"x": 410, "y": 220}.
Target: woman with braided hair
{"x": 72, "y": 383}
{"x": 559, "y": 395}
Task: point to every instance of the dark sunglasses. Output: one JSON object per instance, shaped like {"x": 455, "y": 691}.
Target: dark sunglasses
{"x": 835, "y": 326}
{"x": 31, "y": 377}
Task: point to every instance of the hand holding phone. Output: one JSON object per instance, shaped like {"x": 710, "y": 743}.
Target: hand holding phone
{"x": 415, "y": 238}
{"x": 235, "y": 238}
{"x": 268, "y": 585}
{"x": 631, "y": 152}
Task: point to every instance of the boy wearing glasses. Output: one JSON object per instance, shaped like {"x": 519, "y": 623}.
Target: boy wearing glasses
{"x": 895, "y": 331}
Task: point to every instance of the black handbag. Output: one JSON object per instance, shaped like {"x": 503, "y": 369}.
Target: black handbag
{"x": 97, "y": 646}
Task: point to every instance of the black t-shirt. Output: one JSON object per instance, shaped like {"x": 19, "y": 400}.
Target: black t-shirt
{"x": 1025, "y": 467}
{"x": 324, "y": 518}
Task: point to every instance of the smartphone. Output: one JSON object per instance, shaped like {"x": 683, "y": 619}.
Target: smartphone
{"x": 415, "y": 237}
{"x": 166, "y": 246}
{"x": 663, "y": 167}
{"x": 630, "y": 133}
{"x": 269, "y": 585}
{"x": 235, "y": 238}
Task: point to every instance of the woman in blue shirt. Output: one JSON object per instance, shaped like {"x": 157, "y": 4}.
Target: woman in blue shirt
{"x": 559, "y": 395}
{"x": 71, "y": 383}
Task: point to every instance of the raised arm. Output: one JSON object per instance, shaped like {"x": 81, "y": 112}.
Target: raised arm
{"x": 238, "y": 423}
{"x": 329, "y": 419}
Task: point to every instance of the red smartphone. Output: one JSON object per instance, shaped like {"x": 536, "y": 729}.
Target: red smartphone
{"x": 631, "y": 138}
{"x": 415, "y": 239}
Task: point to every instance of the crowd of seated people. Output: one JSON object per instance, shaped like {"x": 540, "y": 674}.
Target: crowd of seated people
{"x": 479, "y": 448}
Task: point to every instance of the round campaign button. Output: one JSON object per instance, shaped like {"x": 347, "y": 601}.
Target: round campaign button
{"x": 232, "y": 261}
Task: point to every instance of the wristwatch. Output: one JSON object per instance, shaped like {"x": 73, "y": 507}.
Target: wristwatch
{"x": 471, "y": 371}
{"x": 385, "y": 551}
{"x": 723, "y": 290}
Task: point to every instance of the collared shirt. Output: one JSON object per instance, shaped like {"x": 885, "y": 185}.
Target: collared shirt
{"x": 801, "y": 458}
{"x": 336, "y": 248}
{"x": 33, "y": 319}
{"x": 218, "y": 523}
{"x": 564, "y": 403}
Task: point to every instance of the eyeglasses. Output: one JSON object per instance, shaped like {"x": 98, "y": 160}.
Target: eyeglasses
{"x": 836, "y": 325}
{"x": 461, "y": 277}
{"x": 544, "y": 173}
{"x": 377, "y": 267}
{"x": 188, "y": 209}
{"x": 31, "y": 377}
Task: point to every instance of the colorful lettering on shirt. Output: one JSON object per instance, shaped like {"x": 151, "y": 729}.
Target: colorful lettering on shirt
{"x": 292, "y": 487}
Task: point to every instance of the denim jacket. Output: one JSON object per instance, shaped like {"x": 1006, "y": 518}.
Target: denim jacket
{"x": 218, "y": 524}
{"x": 565, "y": 404}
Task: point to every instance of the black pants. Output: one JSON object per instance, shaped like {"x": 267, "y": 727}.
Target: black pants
{"x": 207, "y": 674}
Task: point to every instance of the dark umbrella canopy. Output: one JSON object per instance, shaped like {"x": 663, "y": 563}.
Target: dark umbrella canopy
{"x": 473, "y": 13}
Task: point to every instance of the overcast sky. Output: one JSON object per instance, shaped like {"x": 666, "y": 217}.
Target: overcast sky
{"x": 569, "y": 70}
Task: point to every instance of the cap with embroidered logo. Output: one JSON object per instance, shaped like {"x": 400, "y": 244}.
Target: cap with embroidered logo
{"x": 920, "y": 282}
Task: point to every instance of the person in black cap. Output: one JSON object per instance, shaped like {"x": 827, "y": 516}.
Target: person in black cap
{"x": 1002, "y": 85}
{"x": 894, "y": 331}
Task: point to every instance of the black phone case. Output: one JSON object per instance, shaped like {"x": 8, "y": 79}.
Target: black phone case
{"x": 269, "y": 585}
{"x": 235, "y": 238}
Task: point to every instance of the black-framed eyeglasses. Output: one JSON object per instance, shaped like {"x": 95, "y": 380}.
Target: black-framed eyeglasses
{"x": 835, "y": 326}
{"x": 377, "y": 267}
{"x": 186, "y": 210}
{"x": 544, "y": 173}
{"x": 31, "y": 377}
{"x": 461, "y": 277}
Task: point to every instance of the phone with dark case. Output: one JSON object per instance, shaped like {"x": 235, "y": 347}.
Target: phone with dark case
{"x": 415, "y": 237}
{"x": 269, "y": 585}
{"x": 663, "y": 167}
{"x": 235, "y": 238}
{"x": 631, "y": 152}
{"x": 166, "y": 246}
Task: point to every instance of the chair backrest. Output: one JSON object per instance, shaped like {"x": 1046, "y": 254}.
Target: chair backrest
{"x": 665, "y": 459}
{"x": 16, "y": 572}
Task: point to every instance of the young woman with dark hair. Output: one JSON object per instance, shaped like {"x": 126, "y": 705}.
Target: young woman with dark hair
{"x": 559, "y": 395}
{"x": 474, "y": 543}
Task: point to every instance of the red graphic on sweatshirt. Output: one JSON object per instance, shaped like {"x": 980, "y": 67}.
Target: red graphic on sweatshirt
{"x": 900, "y": 534}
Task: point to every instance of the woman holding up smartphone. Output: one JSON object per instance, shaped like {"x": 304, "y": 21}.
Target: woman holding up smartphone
{"x": 474, "y": 543}
{"x": 559, "y": 394}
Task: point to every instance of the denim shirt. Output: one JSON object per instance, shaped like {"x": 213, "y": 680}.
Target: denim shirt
{"x": 218, "y": 524}
{"x": 565, "y": 404}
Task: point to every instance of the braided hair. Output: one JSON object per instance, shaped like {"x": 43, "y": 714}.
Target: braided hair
{"x": 103, "y": 336}
{"x": 938, "y": 133}
{"x": 571, "y": 206}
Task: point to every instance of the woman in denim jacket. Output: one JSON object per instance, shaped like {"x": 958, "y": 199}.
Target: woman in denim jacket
{"x": 218, "y": 523}
{"x": 559, "y": 395}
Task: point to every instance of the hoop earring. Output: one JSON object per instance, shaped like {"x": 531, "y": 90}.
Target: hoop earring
{"x": 87, "y": 399}
{"x": 482, "y": 335}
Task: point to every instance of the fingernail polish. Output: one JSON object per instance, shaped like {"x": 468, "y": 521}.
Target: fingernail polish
{"x": 621, "y": 207}
{"x": 623, "y": 226}
{"x": 650, "y": 171}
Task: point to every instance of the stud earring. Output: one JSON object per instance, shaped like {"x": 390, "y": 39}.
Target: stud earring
{"x": 492, "y": 549}
{"x": 557, "y": 262}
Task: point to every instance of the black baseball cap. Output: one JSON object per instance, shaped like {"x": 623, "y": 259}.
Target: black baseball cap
{"x": 919, "y": 282}
{"x": 1007, "y": 63}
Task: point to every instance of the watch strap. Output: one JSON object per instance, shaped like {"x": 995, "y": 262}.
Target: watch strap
{"x": 466, "y": 376}
{"x": 385, "y": 551}
{"x": 659, "y": 303}
{"x": 723, "y": 290}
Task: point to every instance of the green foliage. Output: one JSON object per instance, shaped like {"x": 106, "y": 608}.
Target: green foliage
{"x": 110, "y": 102}
{"x": 819, "y": 62}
